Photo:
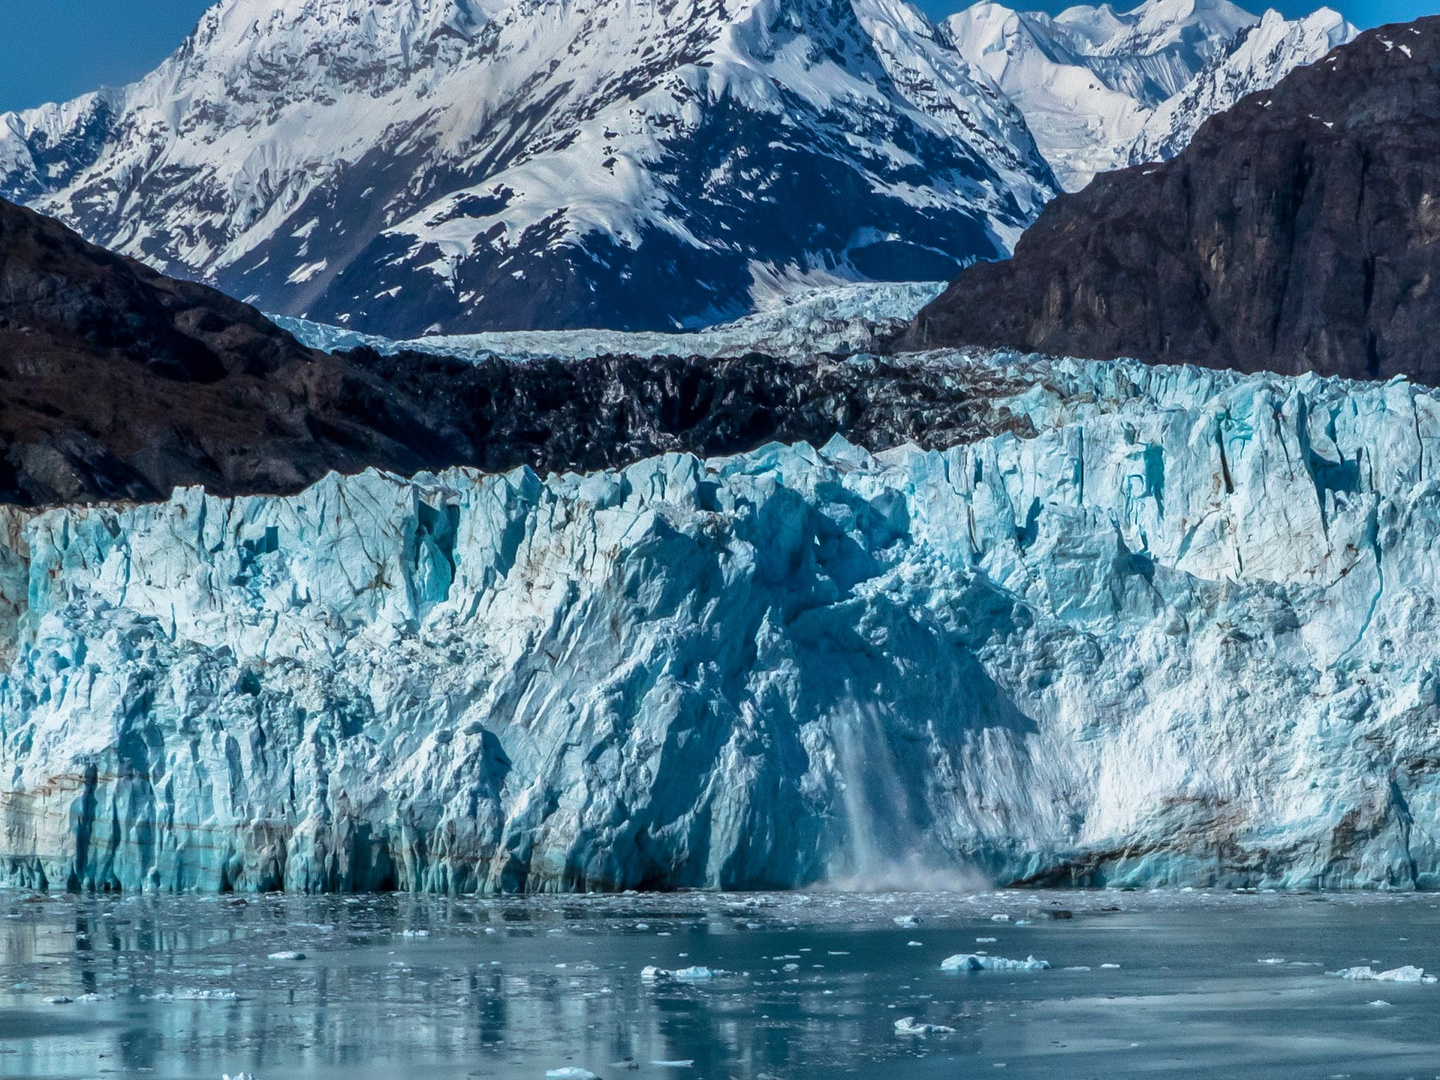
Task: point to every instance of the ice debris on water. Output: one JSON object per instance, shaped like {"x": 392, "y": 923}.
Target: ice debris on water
{"x": 59, "y": 999}
{"x": 682, "y": 1063}
{"x": 287, "y": 954}
{"x": 974, "y": 962}
{"x": 907, "y": 1025}
{"x": 570, "y": 1072}
{"x": 906, "y": 921}
{"x": 651, "y": 973}
{"x": 1406, "y": 974}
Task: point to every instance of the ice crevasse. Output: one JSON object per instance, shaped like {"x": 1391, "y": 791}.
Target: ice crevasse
{"x": 1178, "y": 627}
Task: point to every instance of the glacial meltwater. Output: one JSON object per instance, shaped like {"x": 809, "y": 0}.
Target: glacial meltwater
{"x": 705, "y": 985}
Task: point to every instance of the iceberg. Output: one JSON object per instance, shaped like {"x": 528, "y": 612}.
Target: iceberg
{"x": 907, "y": 1025}
{"x": 972, "y": 962}
{"x": 1170, "y": 627}
{"x": 1406, "y": 974}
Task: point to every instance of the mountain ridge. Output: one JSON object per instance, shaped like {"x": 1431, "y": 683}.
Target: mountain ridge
{"x": 452, "y": 166}
{"x": 1295, "y": 233}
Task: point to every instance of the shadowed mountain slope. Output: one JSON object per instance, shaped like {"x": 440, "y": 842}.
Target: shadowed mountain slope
{"x": 1297, "y": 232}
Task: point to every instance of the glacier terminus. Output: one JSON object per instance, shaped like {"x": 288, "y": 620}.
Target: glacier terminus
{"x": 1164, "y": 626}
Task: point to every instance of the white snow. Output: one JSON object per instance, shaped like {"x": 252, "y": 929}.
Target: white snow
{"x": 1101, "y": 89}
{"x": 242, "y": 136}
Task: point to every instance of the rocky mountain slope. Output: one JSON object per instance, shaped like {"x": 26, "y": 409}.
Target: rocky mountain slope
{"x": 430, "y": 166}
{"x": 1101, "y": 89}
{"x": 1297, "y": 232}
{"x": 121, "y": 383}
{"x": 1184, "y": 635}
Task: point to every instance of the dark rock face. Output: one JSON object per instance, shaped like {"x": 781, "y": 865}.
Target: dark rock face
{"x": 1298, "y": 232}
{"x": 119, "y": 383}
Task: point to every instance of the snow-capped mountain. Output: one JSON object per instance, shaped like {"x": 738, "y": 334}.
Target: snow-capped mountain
{"x": 462, "y": 165}
{"x": 1262, "y": 56}
{"x": 1091, "y": 82}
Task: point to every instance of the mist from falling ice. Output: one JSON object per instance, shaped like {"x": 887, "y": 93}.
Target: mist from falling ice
{"x": 881, "y": 808}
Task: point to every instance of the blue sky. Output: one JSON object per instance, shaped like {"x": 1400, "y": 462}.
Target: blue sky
{"x": 52, "y": 50}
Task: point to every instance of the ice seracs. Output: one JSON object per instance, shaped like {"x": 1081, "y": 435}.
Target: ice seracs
{"x": 1169, "y": 627}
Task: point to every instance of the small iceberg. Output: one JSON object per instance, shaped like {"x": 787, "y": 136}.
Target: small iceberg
{"x": 971, "y": 962}
{"x": 905, "y": 920}
{"x": 287, "y": 955}
{"x": 1406, "y": 974}
{"x": 692, "y": 974}
{"x": 907, "y": 1025}
{"x": 651, "y": 973}
{"x": 569, "y": 1072}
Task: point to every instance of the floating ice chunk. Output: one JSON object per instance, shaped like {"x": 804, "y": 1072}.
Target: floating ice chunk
{"x": 59, "y": 999}
{"x": 1380, "y": 1004}
{"x": 915, "y": 944}
{"x": 907, "y": 1025}
{"x": 906, "y": 921}
{"x": 686, "y": 1063}
{"x": 986, "y": 940}
{"x": 1077, "y": 967}
{"x": 287, "y": 954}
{"x": 1272, "y": 960}
{"x": 972, "y": 962}
{"x": 237, "y": 1076}
{"x": 570, "y": 1072}
{"x": 1406, "y": 974}
{"x": 1109, "y": 967}
{"x": 999, "y": 918}
{"x": 651, "y": 973}
{"x": 415, "y": 933}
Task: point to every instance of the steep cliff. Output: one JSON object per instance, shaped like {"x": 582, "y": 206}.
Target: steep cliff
{"x": 1184, "y": 635}
{"x": 1297, "y": 232}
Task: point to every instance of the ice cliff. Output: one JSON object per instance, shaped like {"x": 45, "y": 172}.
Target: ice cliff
{"x": 1185, "y": 633}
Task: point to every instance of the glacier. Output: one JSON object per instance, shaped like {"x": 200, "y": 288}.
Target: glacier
{"x": 853, "y": 317}
{"x": 1164, "y": 627}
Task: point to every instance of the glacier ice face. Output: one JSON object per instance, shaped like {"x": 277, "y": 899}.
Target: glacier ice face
{"x": 1185, "y": 634}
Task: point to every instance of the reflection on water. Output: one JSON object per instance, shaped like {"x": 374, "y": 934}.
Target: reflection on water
{"x": 809, "y": 985}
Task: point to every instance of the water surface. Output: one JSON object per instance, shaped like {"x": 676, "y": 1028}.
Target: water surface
{"x": 809, "y": 985}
